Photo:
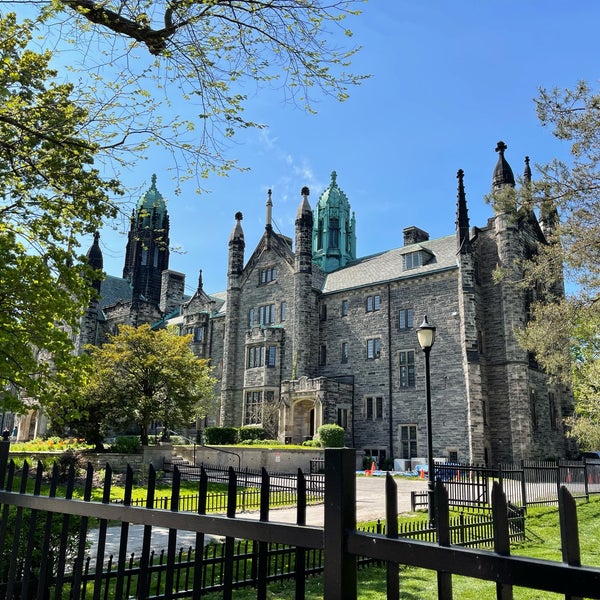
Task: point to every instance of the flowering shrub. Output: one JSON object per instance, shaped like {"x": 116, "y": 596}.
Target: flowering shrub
{"x": 51, "y": 444}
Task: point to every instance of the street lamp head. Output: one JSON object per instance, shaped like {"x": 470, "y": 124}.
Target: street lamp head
{"x": 426, "y": 334}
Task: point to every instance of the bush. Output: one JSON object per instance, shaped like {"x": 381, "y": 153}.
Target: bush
{"x": 251, "y": 433}
{"x": 332, "y": 436}
{"x": 313, "y": 443}
{"x": 367, "y": 462}
{"x": 69, "y": 458}
{"x": 264, "y": 442}
{"x": 387, "y": 464}
{"x": 220, "y": 435}
{"x": 127, "y": 444}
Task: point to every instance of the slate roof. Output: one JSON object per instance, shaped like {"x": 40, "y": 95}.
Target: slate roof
{"x": 380, "y": 268}
{"x": 114, "y": 289}
{"x": 388, "y": 265}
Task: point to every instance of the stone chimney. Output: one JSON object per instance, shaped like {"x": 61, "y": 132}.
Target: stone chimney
{"x": 414, "y": 235}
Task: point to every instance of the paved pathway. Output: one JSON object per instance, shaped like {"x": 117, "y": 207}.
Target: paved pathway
{"x": 370, "y": 505}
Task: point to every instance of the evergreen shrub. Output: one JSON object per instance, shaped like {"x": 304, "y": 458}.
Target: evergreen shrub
{"x": 220, "y": 435}
{"x": 127, "y": 444}
{"x": 332, "y": 436}
{"x": 251, "y": 433}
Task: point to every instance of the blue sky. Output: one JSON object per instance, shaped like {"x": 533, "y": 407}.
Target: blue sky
{"x": 449, "y": 79}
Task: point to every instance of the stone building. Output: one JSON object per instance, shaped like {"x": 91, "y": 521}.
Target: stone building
{"x": 308, "y": 333}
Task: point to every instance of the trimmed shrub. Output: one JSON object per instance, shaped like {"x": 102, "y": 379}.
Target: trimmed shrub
{"x": 313, "y": 443}
{"x": 332, "y": 436}
{"x": 251, "y": 433}
{"x": 220, "y": 435}
{"x": 127, "y": 444}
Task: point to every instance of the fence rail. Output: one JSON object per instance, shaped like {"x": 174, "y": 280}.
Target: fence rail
{"x": 43, "y": 537}
{"x": 246, "y": 477}
{"x": 525, "y": 483}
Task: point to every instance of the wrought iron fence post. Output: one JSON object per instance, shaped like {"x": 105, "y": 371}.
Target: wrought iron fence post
{"x": 523, "y": 485}
{"x": 4, "y": 449}
{"x": 339, "y": 580}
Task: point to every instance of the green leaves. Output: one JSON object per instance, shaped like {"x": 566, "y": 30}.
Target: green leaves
{"x": 208, "y": 52}
{"x": 564, "y": 333}
{"x": 143, "y": 375}
{"x": 49, "y": 196}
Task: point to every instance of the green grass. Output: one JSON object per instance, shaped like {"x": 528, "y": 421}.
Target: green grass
{"x": 543, "y": 533}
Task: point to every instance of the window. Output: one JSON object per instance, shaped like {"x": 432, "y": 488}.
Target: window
{"x": 255, "y": 357}
{"x": 334, "y": 233}
{"x": 320, "y": 235}
{"x": 412, "y": 260}
{"x": 344, "y": 308}
{"x": 323, "y": 312}
{"x": 379, "y": 407}
{"x": 373, "y": 348}
{"x": 266, "y": 314}
{"x": 345, "y": 352}
{"x": 271, "y": 356}
{"x": 369, "y": 408}
{"x": 253, "y": 408}
{"x": 374, "y": 407}
{"x": 408, "y": 441}
{"x": 532, "y": 402}
{"x": 342, "y": 417}
{"x": 405, "y": 318}
{"x": 251, "y": 318}
{"x": 481, "y": 341}
{"x": 283, "y": 311}
{"x": 323, "y": 355}
{"x": 407, "y": 369}
{"x": 267, "y": 275}
{"x": 552, "y": 410}
{"x": 373, "y": 303}
{"x": 375, "y": 454}
{"x": 198, "y": 334}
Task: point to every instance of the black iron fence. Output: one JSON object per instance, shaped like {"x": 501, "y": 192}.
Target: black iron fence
{"x": 246, "y": 477}
{"x": 525, "y": 483}
{"x": 43, "y": 542}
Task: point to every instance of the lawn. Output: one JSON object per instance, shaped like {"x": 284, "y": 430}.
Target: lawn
{"x": 543, "y": 542}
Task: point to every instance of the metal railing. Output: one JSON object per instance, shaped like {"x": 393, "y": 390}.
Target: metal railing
{"x": 43, "y": 541}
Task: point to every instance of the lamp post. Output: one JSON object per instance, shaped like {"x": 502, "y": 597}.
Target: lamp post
{"x": 426, "y": 337}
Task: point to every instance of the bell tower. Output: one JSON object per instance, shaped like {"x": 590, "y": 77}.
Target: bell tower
{"x": 334, "y": 229}
{"x": 147, "y": 253}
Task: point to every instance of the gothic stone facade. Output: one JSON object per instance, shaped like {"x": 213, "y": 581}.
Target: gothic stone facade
{"x": 308, "y": 333}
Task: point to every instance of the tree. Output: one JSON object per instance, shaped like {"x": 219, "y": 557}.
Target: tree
{"x": 211, "y": 52}
{"x": 142, "y": 375}
{"x": 563, "y": 332}
{"x": 57, "y": 137}
{"x": 50, "y": 195}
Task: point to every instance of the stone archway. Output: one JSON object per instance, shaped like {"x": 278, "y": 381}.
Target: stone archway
{"x": 302, "y": 419}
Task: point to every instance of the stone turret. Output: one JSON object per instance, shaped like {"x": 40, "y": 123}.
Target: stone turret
{"x": 231, "y": 405}
{"x": 503, "y": 174}
{"x": 304, "y": 362}
{"x": 88, "y": 324}
{"x": 468, "y": 319}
